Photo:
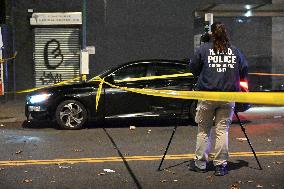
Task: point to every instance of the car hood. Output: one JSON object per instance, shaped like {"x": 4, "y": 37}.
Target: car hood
{"x": 67, "y": 87}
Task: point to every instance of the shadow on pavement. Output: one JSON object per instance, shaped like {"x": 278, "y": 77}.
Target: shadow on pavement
{"x": 138, "y": 185}
{"x": 35, "y": 124}
{"x": 231, "y": 165}
{"x": 38, "y": 124}
{"x": 140, "y": 123}
{"x": 238, "y": 165}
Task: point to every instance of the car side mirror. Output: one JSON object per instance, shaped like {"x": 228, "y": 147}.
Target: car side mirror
{"x": 109, "y": 79}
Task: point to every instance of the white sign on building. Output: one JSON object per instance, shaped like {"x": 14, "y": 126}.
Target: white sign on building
{"x": 56, "y": 18}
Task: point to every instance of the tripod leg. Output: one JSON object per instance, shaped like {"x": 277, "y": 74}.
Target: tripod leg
{"x": 174, "y": 130}
{"x": 244, "y": 131}
{"x": 173, "y": 133}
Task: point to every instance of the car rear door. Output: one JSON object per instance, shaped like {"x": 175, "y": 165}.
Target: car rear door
{"x": 170, "y": 107}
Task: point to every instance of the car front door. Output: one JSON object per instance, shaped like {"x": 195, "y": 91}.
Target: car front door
{"x": 119, "y": 103}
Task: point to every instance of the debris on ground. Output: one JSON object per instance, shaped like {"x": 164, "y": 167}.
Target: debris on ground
{"x": 259, "y": 186}
{"x": 149, "y": 131}
{"x": 78, "y": 150}
{"x": 132, "y": 127}
{"x": 19, "y": 151}
{"x": 241, "y": 139}
{"x": 1, "y": 125}
{"x": 277, "y": 116}
{"x": 235, "y": 186}
{"x": 250, "y": 181}
{"x": 64, "y": 167}
{"x": 210, "y": 178}
{"x": 26, "y": 171}
{"x": 52, "y": 181}
{"x": 268, "y": 166}
{"x": 109, "y": 171}
{"x": 101, "y": 174}
{"x": 164, "y": 180}
{"x": 170, "y": 171}
{"x": 278, "y": 162}
{"x": 27, "y": 181}
{"x": 269, "y": 140}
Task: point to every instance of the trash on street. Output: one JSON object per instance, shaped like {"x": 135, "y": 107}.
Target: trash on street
{"x": 109, "y": 171}
{"x": 132, "y": 127}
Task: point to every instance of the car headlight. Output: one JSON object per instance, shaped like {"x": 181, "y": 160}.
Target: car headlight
{"x": 39, "y": 98}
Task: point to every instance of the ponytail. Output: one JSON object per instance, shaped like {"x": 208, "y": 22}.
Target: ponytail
{"x": 220, "y": 38}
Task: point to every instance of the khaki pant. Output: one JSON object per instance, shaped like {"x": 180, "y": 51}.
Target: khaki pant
{"x": 209, "y": 112}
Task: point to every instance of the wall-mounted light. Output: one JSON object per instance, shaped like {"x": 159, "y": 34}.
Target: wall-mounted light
{"x": 248, "y": 7}
{"x": 248, "y": 13}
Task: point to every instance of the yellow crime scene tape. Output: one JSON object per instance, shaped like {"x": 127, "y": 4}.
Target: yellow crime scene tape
{"x": 270, "y": 98}
{"x": 154, "y": 77}
{"x": 266, "y": 74}
{"x": 6, "y": 59}
{"x": 273, "y": 98}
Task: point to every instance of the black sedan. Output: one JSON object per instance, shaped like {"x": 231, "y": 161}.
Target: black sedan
{"x": 72, "y": 105}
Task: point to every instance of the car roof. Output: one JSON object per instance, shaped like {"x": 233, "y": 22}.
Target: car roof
{"x": 153, "y": 61}
{"x": 149, "y": 61}
{"x": 146, "y": 61}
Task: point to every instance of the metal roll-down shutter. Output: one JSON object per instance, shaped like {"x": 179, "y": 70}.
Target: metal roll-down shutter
{"x": 56, "y": 55}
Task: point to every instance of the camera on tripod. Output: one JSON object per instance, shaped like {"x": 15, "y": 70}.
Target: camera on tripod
{"x": 205, "y": 37}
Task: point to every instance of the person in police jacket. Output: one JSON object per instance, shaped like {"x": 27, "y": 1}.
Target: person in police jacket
{"x": 219, "y": 67}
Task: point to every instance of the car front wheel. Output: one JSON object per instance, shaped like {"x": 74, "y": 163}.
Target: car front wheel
{"x": 71, "y": 114}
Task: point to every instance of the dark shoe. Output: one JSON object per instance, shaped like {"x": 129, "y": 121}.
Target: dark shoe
{"x": 193, "y": 167}
{"x": 221, "y": 170}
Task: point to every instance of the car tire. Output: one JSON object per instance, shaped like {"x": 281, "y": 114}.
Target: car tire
{"x": 71, "y": 115}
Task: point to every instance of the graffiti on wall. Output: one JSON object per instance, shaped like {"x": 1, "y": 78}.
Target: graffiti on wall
{"x": 56, "y": 52}
{"x": 52, "y": 48}
{"x": 49, "y": 78}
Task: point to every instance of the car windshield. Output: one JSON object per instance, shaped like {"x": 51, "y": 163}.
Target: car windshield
{"x": 103, "y": 72}
{"x": 100, "y": 75}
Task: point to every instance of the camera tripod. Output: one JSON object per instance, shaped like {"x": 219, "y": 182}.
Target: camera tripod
{"x": 242, "y": 127}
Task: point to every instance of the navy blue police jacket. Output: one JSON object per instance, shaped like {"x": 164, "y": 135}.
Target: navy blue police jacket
{"x": 218, "y": 71}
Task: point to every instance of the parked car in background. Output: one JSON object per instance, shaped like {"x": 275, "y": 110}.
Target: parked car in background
{"x": 73, "y": 105}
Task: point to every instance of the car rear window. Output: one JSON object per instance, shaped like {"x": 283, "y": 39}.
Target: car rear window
{"x": 170, "y": 68}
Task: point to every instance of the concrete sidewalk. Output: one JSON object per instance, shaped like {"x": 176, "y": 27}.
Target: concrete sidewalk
{"x": 12, "y": 111}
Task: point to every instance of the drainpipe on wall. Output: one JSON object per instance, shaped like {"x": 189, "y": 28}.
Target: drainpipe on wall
{"x": 84, "y": 55}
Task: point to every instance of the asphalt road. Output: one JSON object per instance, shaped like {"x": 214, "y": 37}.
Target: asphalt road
{"x": 111, "y": 155}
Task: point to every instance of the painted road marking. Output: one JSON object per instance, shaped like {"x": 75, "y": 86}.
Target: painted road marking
{"x": 127, "y": 158}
